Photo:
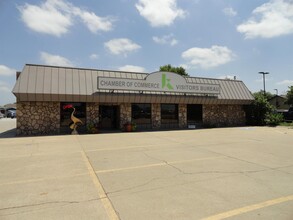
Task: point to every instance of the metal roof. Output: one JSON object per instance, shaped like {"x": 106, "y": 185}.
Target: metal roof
{"x": 67, "y": 84}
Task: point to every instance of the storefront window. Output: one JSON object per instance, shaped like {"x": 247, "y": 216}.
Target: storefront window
{"x": 141, "y": 115}
{"x": 65, "y": 117}
{"x": 169, "y": 116}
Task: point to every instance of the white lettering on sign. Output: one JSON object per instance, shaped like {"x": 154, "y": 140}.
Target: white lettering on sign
{"x": 159, "y": 82}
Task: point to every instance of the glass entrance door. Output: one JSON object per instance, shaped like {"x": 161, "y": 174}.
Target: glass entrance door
{"x": 194, "y": 116}
{"x": 109, "y": 117}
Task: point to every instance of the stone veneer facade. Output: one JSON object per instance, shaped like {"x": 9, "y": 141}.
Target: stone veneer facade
{"x": 223, "y": 115}
{"x": 125, "y": 114}
{"x": 182, "y": 115}
{"x": 156, "y": 116}
{"x": 92, "y": 113}
{"x": 35, "y": 118}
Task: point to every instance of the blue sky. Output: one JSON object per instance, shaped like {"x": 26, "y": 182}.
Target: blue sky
{"x": 210, "y": 38}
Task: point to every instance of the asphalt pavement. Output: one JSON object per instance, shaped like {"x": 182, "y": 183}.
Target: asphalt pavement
{"x": 223, "y": 173}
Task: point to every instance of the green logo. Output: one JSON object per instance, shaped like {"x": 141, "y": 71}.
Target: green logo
{"x": 166, "y": 82}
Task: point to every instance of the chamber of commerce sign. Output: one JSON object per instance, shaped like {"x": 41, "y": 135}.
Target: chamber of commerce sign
{"x": 159, "y": 82}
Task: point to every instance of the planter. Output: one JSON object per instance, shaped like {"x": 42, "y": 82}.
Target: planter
{"x": 128, "y": 127}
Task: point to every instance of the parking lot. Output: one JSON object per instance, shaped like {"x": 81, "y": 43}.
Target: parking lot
{"x": 233, "y": 173}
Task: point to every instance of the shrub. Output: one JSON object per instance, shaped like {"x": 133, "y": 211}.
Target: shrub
{"x": 257, "y": 111}
{"x": 273, "y": 119}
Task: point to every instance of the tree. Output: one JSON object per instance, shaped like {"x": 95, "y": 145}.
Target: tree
{"x": 290, "y": 96}
{"x": 268, "y": 94}
{"x": 179, "y": 70}
{"x": 258, "y": 110}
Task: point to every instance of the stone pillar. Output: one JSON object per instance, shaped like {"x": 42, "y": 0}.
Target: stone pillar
{"x": 36, "y": 118}
{"x": 156, "y": 115}
{"x": 223, "y": 115}
{"x": 125, "y": 114}
{"x": 92, "y": 113}
{"x": 182, "y": 111}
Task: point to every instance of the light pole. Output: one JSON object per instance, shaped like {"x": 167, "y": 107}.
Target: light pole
{"x": 277, "y": 103}
{"x": 276, "y": 91}
{"x": 264, "y": 81}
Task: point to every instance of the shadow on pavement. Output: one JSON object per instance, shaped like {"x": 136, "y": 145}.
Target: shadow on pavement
{"x": 8, "y": 134}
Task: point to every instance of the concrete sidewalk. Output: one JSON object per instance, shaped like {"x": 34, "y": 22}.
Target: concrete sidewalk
{"x": 191, "y": 174}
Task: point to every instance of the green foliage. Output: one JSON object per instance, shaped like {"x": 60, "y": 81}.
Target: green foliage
{"x": 257, "y": 111}
{"x": 290, "y": 96}
{"x": 268, "y": 94}
{"x": 287, "y": 124}
{"x": 92, "y": 128}
{"x": 179, "y": 70}
{"x": 274, "y": 119}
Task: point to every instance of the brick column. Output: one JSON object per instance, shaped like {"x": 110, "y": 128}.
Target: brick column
{"x": 156, "y": 115}
{"x": 182, "y": 111}
{"x": 125, "y": 114}
{"x": 92, "y": 113}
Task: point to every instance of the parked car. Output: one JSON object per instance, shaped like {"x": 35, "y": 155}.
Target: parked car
{"x": 1, "y": 115}
{"x": 289, "y": 114}
{"x": 11, "y": 114}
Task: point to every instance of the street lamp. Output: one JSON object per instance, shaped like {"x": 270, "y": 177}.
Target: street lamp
{"x": 277, "y": 102}
{"x": 276, "y": 91}
{"x": 264, "y": 81}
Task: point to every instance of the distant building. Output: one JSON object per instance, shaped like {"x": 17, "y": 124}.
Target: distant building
{"x": 279, "y": 102}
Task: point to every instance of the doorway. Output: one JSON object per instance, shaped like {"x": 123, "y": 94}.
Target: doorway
{"x": 109, "y": 117}
{"x": 194, "y": 116}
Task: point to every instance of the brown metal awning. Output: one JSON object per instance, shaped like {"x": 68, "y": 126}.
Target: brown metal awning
{"x": 64, "y": 84}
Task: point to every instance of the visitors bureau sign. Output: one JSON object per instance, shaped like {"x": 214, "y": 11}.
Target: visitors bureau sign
{"x": 158, "y": 81}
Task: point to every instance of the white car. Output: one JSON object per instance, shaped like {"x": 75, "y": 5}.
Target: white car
{"x": 1, "y": 115}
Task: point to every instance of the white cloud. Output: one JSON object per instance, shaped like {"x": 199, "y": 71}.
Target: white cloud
{"x": 94, "y": 56}
{"x": 159, "y": 12}
{"x": 6, "y": 71}
{"x": 286, "y": 82}
{"x": 166, "y": 39}
{"x": 94, "y": 22}
{"x": 207, "y": 57}
{"x": 130, "y": 68}
{"x": 121, "y": 46}
{"x": 230, "y": 12}
{"x": 55, "y": 60}
{"x": 5, "y": 87}
{"x": 271, "y": 19}
{"x": 46, "y": 18}
{"x": 55, "y": 17}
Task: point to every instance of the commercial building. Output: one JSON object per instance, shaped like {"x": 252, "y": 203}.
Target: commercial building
{"x": 159, "y": 100}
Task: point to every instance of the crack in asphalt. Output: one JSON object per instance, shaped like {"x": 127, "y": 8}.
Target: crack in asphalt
{"x": 63, "y": 203}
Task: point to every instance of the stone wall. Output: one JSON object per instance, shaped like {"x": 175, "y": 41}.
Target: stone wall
{"x": 92, "y": 113}
{"x": 125, "y": 114}
{"x": 156, "y": 116}
{"x": 35, "y": 118}
{"x": 223, "y": 115}
{"x": 182, "y": 115}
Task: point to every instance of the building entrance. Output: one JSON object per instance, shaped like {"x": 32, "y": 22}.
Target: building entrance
{"x": 109, "y": 117}
{"x": 194, "y": 116}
